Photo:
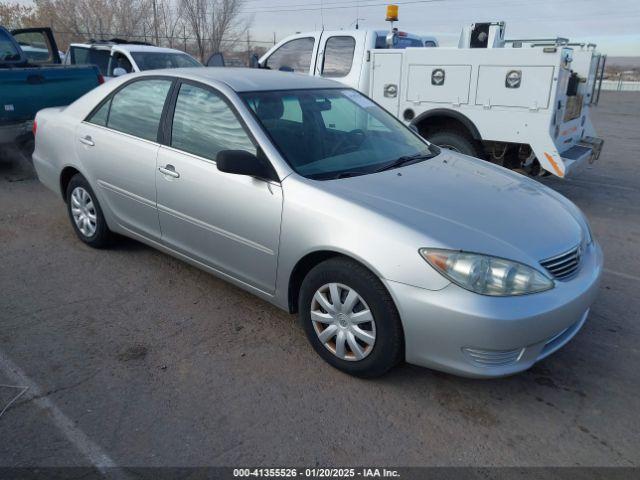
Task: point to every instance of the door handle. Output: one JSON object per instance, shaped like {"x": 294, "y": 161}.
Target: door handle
{"x": 87, "y": 140}
{"x": 169, "y": 170}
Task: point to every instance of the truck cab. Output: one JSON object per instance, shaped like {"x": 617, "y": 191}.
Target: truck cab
{"x": 31, "y": 78}
{"x": 340, "y": 54}
{"x": 521, "y": 104}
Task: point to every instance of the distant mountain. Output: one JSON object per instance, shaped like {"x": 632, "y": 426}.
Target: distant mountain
{"x": 625, "y": 62}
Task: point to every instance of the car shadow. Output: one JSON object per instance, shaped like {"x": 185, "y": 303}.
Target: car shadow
{"x": 15, "y": 165}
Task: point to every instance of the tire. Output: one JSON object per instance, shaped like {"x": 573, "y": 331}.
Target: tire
{"x": 368, "y": 359}
{"x": 456, "y": 141}
{"x": 80, "y": 196}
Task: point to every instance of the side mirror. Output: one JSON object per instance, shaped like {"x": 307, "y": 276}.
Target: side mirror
{"x": 392, "y": 38}
{"x": 216, "y": 60}
{"x": 241, "y": 162}
{"x": 255, "y": 61}
{"x": 118, "y": 72}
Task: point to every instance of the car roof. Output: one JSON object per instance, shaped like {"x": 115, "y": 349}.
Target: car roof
{"x": 132, "y": 47}
{"x": 129, "y": 47}
{"x": 250, "y": 79}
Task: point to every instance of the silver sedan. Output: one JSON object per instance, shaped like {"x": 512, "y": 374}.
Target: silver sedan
{"x": 312, "y": 197}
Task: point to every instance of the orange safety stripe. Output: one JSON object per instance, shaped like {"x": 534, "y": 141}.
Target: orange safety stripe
{"x": 554, "y": 164}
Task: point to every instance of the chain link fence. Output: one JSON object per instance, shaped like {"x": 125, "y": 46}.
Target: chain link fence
{"x": 237, "y": 51}
{"x": 621, "y": 85}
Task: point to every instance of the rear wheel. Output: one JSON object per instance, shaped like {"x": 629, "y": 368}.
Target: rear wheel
{"x": 350, "y": 318}
{"x": 86, "y": 215}
{"x": 456, "y": 141}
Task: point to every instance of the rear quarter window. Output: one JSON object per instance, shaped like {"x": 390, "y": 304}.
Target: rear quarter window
{"x": 91, "y": 56}
{"x": 338, "y": 56}
{"x": 136, "y": 109}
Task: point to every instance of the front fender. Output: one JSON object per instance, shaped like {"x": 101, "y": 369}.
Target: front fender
{"x": 385, "y": 247}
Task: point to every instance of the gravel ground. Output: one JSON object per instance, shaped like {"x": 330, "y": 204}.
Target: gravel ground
{"x": 152, "y": 362}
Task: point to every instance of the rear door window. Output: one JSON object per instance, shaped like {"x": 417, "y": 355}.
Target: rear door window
{"x": 101, "y": 116}
{"x": 338, "y": 56}
{"x": 137, "y": 108}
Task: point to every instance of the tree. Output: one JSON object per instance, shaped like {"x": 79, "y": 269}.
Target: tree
{"x": 14, "y": 15}
{"x": 170, "y": 21}
{"x": 227, "y": 26}
{"x": 78, "y": 20}
{"x": 214, "y": 24}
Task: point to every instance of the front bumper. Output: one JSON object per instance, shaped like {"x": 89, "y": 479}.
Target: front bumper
{"x": 467, "y": 334}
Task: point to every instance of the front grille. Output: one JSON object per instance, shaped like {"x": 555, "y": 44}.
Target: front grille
{"x": 563, "y": 266}
{"x": 492, "y": 358}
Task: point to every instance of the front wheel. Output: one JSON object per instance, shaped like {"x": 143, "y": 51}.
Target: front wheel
{"x": 458, "y": 142}
{"x": 350, "y": 318}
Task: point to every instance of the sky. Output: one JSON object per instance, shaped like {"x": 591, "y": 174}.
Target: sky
{"x": 614, "y": 25}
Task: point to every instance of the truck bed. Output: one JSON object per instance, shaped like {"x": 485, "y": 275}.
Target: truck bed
{"x": 24, "y": 91}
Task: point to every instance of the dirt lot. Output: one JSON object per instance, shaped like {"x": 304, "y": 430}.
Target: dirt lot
{"x": 136, "y": 358}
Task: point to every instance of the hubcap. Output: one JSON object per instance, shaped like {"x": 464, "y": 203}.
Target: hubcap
{"x": 343, "y": 322}
{"x": 83, "y": 211}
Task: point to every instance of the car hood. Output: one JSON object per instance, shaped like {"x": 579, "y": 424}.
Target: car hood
{"x": 460, "y": 202}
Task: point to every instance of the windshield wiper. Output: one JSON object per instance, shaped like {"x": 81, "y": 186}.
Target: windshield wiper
{"x": 404, "y": 160}
{"x": 398, "y": 162}
{"x": 348, "y": 174}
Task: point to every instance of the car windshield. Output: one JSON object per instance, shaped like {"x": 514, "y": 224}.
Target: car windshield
{"x": 8, "y": 50}
{"x": 334, "y": 133}
{"x": 159, "y": 60}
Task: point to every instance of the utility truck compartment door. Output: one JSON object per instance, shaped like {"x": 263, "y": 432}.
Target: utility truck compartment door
{"x": 385, "y": 82}
{"x": 439, "y": 83}
{"x": 533, "y": 90}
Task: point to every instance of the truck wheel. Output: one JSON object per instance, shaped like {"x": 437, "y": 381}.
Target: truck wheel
{"x": 86, "y": 215}
{"x": 350, "y": 318}
{"x": 456, "y": 141}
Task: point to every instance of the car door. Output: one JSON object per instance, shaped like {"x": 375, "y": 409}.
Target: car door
{"x": 295, "y": 55}
{"x": 118, "y": 145}
{"x": 38, "y": 44}
{"x": 228, "y": 222}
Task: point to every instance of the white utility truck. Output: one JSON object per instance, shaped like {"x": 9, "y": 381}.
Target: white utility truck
{"x": 116, "y": 57}
{"x": 521, "y": 103}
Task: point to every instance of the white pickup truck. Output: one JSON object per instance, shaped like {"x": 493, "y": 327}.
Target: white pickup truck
{"x": 116, "y": 57}
{"x": 521, "y": 103}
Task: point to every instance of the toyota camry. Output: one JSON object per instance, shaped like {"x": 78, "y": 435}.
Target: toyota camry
{"x": 314, "y": 198}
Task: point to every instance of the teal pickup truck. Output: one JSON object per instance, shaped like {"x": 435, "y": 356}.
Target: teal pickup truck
{"x": 32, "y": 78}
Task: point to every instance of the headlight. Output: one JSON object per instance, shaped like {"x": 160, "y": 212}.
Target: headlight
{"x": 486, "y": 275}
{"x": 587, "y": 228}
